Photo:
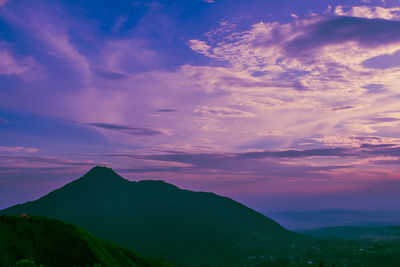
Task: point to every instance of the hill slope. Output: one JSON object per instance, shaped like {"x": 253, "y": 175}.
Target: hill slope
{"x": 158, "y": 219}
{"x": 54, "y": 243}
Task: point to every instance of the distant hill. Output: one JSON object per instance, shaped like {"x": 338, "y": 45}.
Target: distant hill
{"x": 51, "y": 242}
{"x": 303, "y": 220}
{"x": 157, "y": 219}
{"x": 356, "y": 233}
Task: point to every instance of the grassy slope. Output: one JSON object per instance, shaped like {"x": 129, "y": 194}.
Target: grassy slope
{"x": 54, "y": 243}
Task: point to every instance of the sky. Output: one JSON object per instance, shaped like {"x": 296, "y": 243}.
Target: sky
{"x": 282, "y": 105}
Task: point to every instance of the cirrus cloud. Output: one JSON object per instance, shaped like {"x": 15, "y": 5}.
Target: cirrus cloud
{"x": 18, "y": 149}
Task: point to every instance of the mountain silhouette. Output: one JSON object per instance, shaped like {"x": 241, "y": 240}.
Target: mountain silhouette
{"x": 157, "y": 219}
{"x": 53, "y": 243}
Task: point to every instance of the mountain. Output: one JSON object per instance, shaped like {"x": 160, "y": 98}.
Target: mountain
{"x": 51, "y": 242}
{"x": 157, "y": 219}
{"x": 356, "y": 233}
{"x": 303, "y": 220}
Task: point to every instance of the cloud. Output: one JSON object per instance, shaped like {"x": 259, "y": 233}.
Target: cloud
{"x": 384, "y": 119}
{"x": 9, "y": 65}
{"x": 383, "y": 61}
{"x": 128, "y": 129}
{"x": 166, "y": 110}
{"x": 22, "y": 161}
{"x": 109, "y": 74}
{"x": 312, "y": 66}
{"x": 208, "y": 1}
{"x": 200, "y": 47}
{"x": 266, "y": 87}
{"x": 3, "y": 2}
{"x": 343, "y": 108}
{"x": 321, "y": 152}
{"x": 370, "y": 12}
{"x": 265, "y": 164}
{"x": 369, "y": 33}
{"x": 225, "y": 112}
{"x": 18, "y": 149}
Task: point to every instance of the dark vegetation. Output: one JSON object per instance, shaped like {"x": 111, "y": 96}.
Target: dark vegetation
{"x": 189, "y": 228}
{"x": 34, "y": 241}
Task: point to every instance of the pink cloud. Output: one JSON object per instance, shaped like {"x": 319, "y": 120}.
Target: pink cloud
{"x": 10, "y": 65}
{"x": 16, "y": 149}
{"x": 3, "y": 2}
{"x": 370, "y": 12}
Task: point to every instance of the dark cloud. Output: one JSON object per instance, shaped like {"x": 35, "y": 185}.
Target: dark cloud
{"x": 151, "y": 169}
{"x": 375, "y": 88}
{"x": 127, "y": 129}
{"x": 386, "y": 151}
{"x": 247, "y": 163}
{"x": 369, "y": 33}
{"x": 387, "y": 162}
{"x": 324, "y": 152}
{"x": 166, "y": 110}
{"x": 257, "y": 164}
{"x": 383, "y": 61}
{"x": 379, "y": 149}
{"x": 377, "y": 146}
{"x": 384, "y": 119}
{"x": 259, "y": 73}
{"x": 343, "y": 108}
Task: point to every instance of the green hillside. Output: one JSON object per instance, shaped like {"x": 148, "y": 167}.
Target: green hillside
{"x": 50, "y": 242}
{"x": 157, "y": 219}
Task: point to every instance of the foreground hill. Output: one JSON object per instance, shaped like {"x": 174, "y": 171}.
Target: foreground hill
{"x": 54, "y": 243}
{"x": 160, "y": 220}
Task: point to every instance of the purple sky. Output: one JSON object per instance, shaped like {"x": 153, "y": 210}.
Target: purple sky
{"x": 283, "y": 105}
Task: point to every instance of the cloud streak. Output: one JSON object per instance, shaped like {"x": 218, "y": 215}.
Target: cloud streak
{"x": 127, "y": 129}
{"x": 18, "y": 149}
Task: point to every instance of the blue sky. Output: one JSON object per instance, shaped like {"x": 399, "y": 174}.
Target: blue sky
{"x": 279, "y": 104}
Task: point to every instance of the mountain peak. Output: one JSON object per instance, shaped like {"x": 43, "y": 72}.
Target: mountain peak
{"x": 102, "y": 173}
{"x": 100, "y": 169}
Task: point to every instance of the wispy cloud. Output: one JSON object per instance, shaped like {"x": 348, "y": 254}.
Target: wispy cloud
{"x": 166, "y": 110}
{"x": 18, "y": 149}
{"x": 127, "y": 129}
{"x": 24, "y": 160}
{"x": 109, "y": 74}
{"x": 9, "y": 65}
